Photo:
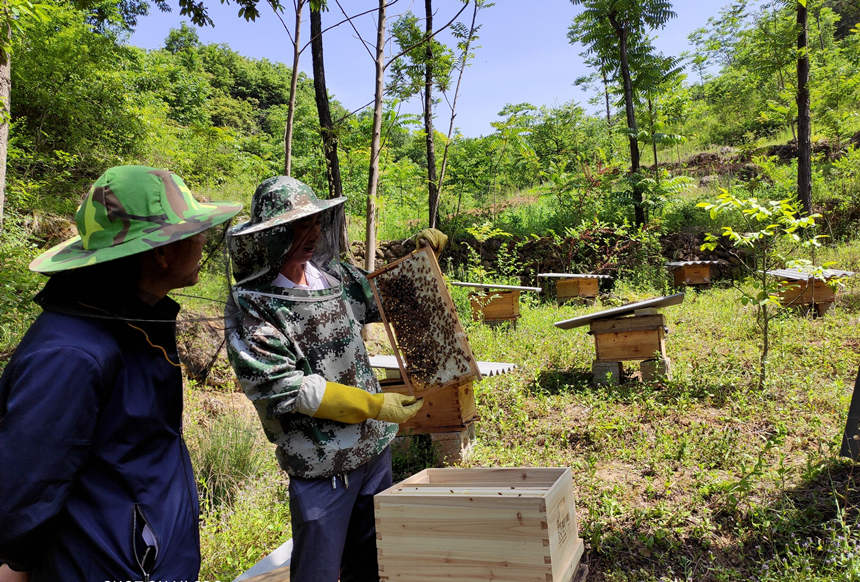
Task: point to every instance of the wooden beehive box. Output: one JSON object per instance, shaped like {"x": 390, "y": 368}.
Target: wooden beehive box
{"x": 449, "y": 409}
{"x": 465, "y": 525}
{"x": 422, "y": 324}
{"x": 573, "y": 288}
{"x": 807, "y": 292}
{"x": 692, "y": 275}
{"x": 629, "y": 338}
{"x": 495, "y": 305}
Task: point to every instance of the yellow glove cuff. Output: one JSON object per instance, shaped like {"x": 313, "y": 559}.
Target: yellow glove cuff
{"x": 348, "y": 404}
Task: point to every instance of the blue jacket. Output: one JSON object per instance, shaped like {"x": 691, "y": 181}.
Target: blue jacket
{"x": 95, "y": 479}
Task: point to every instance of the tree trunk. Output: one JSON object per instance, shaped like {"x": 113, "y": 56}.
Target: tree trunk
{"x": 621, "y": 31}
{"x": 454, "y": 103}
{"x": 294, "y": 80}
{"x": 329, "y": 136}
{"x": 375, "y": 140}
{"x": 608, "y": 113}
{"x": 804, "y": 146}
{"x": 606, "y": 98}
{"x": 653, "y": 138}
{"x": 432, "y": 184}
{"x": 5, "y": 112}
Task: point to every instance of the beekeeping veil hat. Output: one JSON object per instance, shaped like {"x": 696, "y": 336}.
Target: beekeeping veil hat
{"x": 258, "y": 247}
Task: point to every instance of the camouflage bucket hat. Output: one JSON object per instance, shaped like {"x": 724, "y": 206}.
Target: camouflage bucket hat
{"x": 129, "y": 210}
{"x": 282, "y": 200}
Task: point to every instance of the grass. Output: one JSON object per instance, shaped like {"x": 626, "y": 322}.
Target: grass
{"x": 700, "y": 477}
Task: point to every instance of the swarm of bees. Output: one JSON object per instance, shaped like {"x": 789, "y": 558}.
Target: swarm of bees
{"x": 422, "y": 322}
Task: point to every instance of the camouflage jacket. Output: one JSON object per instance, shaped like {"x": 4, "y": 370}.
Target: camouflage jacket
{"x": 279, "y": 339}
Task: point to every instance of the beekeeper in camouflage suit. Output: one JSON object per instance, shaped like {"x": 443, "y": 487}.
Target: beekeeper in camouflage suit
{"x": 294, "y": 339}
{"x": 95, "y": 479}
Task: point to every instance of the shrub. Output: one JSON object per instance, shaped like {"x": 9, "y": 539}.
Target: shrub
{"x": 225, "y": 452}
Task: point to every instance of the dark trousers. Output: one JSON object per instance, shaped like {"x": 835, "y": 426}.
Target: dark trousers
{"x": 334, "y": 534}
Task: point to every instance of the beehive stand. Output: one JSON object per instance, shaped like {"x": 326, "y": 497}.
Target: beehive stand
{"x": 694, "y": 273}
{"x": 448, "y": 415}
{"x": 430, "y": 346}
{"x": 495, "y": 304}
{"x": 631, "y": 332}
{"x": 575, "y": 286}
{"x": 465, "y": 525}
{"x": 798, "y": 288}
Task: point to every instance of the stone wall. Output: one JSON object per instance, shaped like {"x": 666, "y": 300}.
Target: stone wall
{"x": 599, "y": 251}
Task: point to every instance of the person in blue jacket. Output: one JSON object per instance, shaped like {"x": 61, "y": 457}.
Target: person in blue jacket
{"x": 96, "y": 483}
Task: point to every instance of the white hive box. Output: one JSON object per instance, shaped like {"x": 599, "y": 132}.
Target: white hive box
{"x": 501, "y": 524}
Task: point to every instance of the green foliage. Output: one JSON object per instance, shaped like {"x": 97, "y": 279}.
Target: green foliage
{"x": 18, "y": 284}
{"x": 225, "y": 452}
{"x": 71, "y": 95}
{"x": 235, "y": 536}
{"x": 767, "y": 227}
{"x": 408, "y": 71}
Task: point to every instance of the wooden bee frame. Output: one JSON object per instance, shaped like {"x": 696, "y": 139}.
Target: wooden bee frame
{"x": 431, "y": 348}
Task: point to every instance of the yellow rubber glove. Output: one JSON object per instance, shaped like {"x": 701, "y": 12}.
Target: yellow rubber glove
{"x": 398, "y": 407}
{"x": 351, "y": 405}
{"x": 435, "y": 239}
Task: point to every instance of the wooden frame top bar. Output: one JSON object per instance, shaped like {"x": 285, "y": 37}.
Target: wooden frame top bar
{"x": 494, "y": 286}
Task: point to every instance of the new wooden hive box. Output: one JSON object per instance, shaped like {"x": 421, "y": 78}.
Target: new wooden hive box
{"x": 516, "y": 524}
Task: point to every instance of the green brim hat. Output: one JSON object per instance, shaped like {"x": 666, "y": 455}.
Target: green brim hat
{"x": 282, "y": 200}
{"x": 129, "y": 210}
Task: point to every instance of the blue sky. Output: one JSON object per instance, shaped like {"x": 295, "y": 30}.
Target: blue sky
{"x": 523, "y": 53}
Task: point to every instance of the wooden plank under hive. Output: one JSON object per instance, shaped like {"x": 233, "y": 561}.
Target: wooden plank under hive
{"x": 465, "y": 525}
{"x": 432, "y": 349}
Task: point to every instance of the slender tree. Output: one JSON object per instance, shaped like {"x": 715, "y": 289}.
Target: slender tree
{"x": 613, "y": 26}
{"x": 294, "y": 79}
{"x": 427, "y": 63}
{"x": 466, "y": 38}
{"x": 375, "y": 141}
{"x": 5, "y": 97}
{"x": 329, "y": 135}
{"x": 804, "y": 146}
{"x": 432, "y": 184}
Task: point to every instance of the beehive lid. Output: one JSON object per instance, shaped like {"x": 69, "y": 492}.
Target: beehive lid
{"x": 430, "y": 346}
{"x": 494, "y": 286}
{"x": 573, "y": 276}
{"x": 691, "y": 263}
{"x": 666, "y": 301}
{"x": 798, "y": 275}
